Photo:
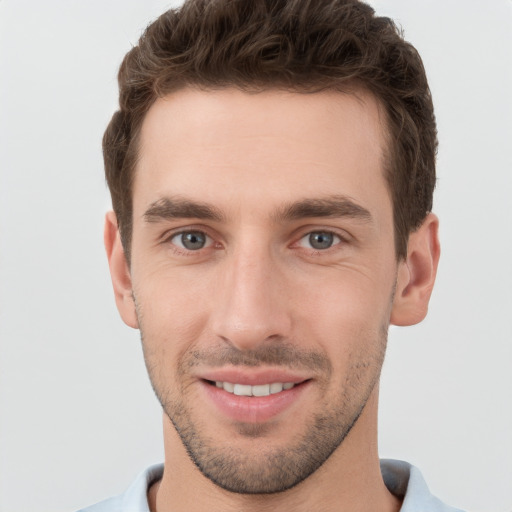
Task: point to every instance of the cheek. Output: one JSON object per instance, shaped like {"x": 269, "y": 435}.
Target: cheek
{"x": 173, "y": 313}
{"x": 348, "y": 312}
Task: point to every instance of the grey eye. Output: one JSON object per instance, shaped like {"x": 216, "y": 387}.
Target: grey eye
{"x": 191, "y": 240}
{"x": 319, "y": 240}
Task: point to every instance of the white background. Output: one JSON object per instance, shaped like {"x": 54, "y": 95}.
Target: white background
{"x": 78, "y": 419}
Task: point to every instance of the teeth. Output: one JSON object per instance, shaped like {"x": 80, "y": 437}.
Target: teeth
{"x": 276, "y": 387}
{"x": 228, "y": 387}
{"x": 259, "y": 390}
{"x": 263, "y": 390}
{"x": 242, "y": 390}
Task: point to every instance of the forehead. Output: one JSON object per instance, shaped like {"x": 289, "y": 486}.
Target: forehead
{"x": 271, "y": 145}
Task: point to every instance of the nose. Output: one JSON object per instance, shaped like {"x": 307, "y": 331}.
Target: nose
{"x": 252, "y": 306}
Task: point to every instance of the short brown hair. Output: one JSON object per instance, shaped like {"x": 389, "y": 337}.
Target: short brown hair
{"x": 298, "y": 45}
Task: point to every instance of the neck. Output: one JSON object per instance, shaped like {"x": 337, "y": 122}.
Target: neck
{"x": 349, "y": 480}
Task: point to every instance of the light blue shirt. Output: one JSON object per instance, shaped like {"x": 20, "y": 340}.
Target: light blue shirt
{"x": 401, "y": 478}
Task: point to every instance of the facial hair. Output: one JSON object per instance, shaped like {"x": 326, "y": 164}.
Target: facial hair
{"x": 272, "y": 469}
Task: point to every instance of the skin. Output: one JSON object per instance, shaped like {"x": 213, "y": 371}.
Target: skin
{"x": 257, "y": 174}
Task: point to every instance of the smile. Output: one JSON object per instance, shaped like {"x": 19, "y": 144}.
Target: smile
{"x": 253, "y": 396}
{"x": 258, "y": 390}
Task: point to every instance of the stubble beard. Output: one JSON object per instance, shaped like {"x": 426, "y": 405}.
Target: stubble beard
{"x": 272, "y": 469}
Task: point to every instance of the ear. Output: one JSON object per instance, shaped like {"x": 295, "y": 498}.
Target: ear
{"x": 119, "y": 272}
{"x": 416, "y": 274}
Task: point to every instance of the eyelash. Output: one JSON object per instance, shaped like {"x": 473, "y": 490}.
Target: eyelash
{"x": 337, "y": 240}
{"x": 183, "y": 251}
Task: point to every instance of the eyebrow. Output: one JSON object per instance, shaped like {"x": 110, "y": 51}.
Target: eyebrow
{"x": 169, "y": 208}
{"x": 332, "y": 206}
{"x": 335, "y": 206}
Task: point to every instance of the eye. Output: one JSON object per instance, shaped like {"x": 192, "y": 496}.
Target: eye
{"x": 191, "y": 240}
{"x": 319, "y": 240}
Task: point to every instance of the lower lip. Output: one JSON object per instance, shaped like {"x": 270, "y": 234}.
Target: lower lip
{"x": 253, "y": 409}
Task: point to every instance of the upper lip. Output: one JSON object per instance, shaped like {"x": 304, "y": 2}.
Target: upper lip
{"x": 252, "y": 377}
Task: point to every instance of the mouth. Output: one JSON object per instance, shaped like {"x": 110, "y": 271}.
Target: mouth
{"x": 236, "y": 398}
{"x": 256, "y": 390}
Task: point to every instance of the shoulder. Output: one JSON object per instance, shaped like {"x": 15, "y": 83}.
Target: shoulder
{"x": 406, "y": 481}
{"x": 113, "y": 504}
{"x": 134, "y": 499}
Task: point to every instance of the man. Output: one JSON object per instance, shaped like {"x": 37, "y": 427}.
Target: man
{"x": 271, "y": 168}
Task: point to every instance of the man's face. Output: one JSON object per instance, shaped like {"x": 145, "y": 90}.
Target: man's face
{"x": 262, "y": 257}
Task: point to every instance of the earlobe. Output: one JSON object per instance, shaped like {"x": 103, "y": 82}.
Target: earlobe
{"x": 119, "y": 271}
{"x": 417, "y": 274}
